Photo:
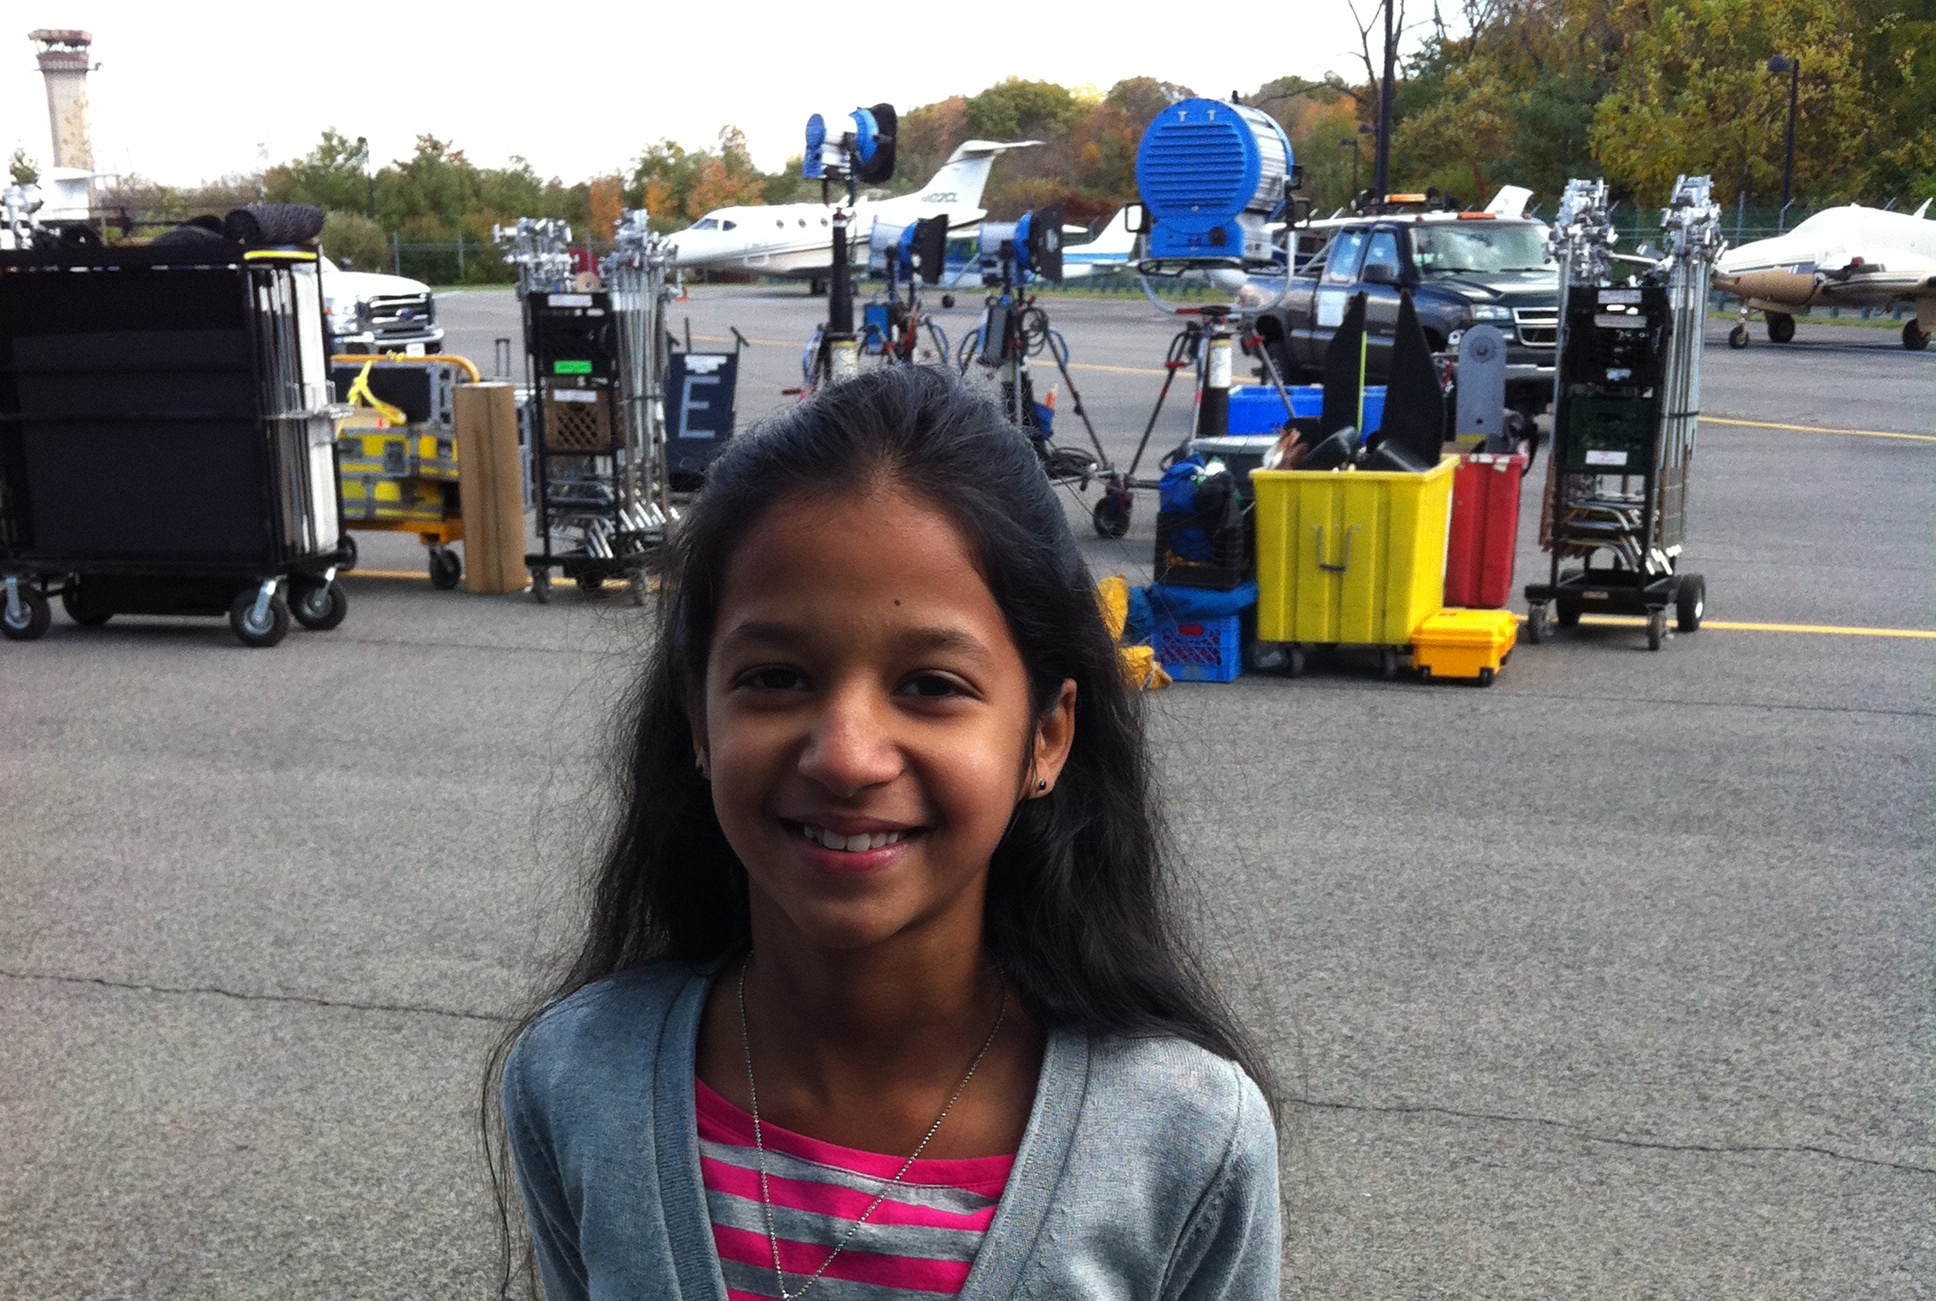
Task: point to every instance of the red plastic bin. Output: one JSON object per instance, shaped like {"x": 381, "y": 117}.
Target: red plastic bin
{"x": 1485, "y": 531}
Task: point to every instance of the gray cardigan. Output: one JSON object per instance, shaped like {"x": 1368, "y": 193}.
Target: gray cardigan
{"x": 1148, "y": 1168}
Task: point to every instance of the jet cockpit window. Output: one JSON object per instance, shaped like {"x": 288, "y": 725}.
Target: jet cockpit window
{"x": 1446, "y": 249}
{"x": 728, "y": 225}
{"x": 705, "y": 223}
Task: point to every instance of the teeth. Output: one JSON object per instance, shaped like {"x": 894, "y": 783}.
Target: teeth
{"x": 852, "y": 844}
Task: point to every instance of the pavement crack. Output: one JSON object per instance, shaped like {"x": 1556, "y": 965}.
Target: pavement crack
{"x": 244, "y": 996}
{"x": 1580, "y": 1131}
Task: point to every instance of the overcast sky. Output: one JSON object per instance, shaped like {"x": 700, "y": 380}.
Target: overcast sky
{"x": 187, "y": 93}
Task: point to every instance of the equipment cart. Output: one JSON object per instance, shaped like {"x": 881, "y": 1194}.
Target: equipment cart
{"x": 597, "y": 361}
{"x": 398, "y": 453}
{"x": 1628, "y": 402}
{"x": 167, "y": 443}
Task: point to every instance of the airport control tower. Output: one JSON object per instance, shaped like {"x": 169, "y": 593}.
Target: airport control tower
{"x": 64, "y": 66}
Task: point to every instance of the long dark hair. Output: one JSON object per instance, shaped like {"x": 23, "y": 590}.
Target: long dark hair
{"x": 1079, "y": 916}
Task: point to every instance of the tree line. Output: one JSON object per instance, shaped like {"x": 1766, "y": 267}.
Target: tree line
{"x": 1525, "y": 92}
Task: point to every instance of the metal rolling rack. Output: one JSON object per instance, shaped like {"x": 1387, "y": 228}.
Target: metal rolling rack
{"x": 1628, "y": 403}
{"x": 167, "y": 441}
{"x": 595, "y": 367}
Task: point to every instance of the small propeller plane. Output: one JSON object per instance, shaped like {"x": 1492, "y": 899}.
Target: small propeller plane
{"x": 1841, "y": 257}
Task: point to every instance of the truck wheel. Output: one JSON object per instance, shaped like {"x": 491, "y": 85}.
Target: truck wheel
{"x": 1781, "y": 327}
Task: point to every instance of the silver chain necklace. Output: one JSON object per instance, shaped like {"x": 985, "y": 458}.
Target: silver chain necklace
{"x": 759, "y": 1144}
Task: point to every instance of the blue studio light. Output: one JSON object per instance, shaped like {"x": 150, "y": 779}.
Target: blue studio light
{"x": 1210, "y": 175}
{"x": 867, "y": 135}
{"x": 811, "y": 167}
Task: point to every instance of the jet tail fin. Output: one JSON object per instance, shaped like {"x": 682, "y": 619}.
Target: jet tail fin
{"x": 1921, "y": 211}
{"x": 961, "y": 179}
{"x": 1510, "y": 202}
{"x": 1114, "y": 237}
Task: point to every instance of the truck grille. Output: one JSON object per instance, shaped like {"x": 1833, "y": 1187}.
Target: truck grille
{"x": 404, "y": 314}
{"x": 1539, "y": 327}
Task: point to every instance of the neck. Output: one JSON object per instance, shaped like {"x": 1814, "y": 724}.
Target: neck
{"x": 890, "y": 1012}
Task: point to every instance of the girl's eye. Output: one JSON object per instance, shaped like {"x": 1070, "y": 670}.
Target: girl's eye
{"x": 773, "y": 678}
{"x": 933, "y": 686}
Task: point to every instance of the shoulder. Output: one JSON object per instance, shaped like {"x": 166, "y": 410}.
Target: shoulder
{"x": 612, "y": 1027}
{"x": 1186, "y": 1102}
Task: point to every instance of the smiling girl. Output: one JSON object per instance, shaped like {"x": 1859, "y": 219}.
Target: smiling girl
{"x": 881, "y": 994}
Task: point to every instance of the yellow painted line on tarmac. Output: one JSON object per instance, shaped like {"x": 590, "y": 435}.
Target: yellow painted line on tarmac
{"x": 388, "y": 575}
{"x": 1804, "y": 629}
{"x": 1819, "y": 429}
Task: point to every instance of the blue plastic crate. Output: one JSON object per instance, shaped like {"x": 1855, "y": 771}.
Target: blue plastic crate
{"x": 1201, "y": 650}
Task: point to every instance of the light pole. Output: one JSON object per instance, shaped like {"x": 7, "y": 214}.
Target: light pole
{"x": 369, "y": 177}
{"x": 1381, "y": 172}
{"x": 1793, "y": 67}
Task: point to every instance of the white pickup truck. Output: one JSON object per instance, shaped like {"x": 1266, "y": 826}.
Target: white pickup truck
{"x": 370, "y": 312}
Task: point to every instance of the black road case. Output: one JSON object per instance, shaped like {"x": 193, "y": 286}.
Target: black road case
{"x": 167, "y": 443}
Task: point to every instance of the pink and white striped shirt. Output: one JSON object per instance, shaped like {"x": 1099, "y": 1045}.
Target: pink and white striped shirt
{"x": 919, "y": 1242}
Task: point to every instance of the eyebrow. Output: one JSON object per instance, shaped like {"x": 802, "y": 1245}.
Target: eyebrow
{"x": 760, "y": 633}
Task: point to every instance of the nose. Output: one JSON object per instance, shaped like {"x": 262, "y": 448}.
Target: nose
{"x": 851, "y": 746}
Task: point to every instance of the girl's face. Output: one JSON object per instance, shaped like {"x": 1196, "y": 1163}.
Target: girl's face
{"x": 867, "y": 726}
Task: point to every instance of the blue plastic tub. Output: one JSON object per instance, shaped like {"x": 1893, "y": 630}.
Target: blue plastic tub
{"x": 1257, "y": 408}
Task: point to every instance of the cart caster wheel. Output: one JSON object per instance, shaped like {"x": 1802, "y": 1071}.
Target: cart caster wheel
{"x": 1485, "y": 677}
{"x": 1112, "y": 515}
{"x": 1537, "y": 627}
{"x": 1294, "y": 661}
{"x": 346, "y": 553}
{"x": 1425, "y": 673}
{"x": 1738, "y": 337}
{"x": 1914, "y": 337}
{"x": 1690, "y": 603}
{"x": 34, "y": 615}
{"x": 541, "y": 587}
{"x": 590, "y": 583}
{"x": 320, "y": 608}
{"x": 1656, "y": 629}
{"x": 640, "y": 589}
{"x": 1265, "y": 656}
{"x": 270, "y": 629}
{"x": 74, "y": 601}
{"x": 1388, "y": 664}
{"x": 446, "y": 567}
{"x": 1566, "y": 613}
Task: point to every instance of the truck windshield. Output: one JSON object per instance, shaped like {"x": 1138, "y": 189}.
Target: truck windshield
{"x": 1448, "y": 249}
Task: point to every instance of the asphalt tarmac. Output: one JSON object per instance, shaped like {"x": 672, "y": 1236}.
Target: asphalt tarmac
{"x": 1617, "y": 979}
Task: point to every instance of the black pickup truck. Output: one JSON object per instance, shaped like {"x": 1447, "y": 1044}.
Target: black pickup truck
{"x": 1463, "y": 270}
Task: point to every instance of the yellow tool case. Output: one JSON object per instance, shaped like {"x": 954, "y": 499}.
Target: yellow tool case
{"x": 1464, "y": 644}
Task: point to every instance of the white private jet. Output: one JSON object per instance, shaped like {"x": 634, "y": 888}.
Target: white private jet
{"x": 1113, "y": 249}
{"x": 1842, "y": 257}
{"x": 796, "y": 239}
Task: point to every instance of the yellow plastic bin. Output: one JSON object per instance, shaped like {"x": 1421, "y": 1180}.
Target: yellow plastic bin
{"x": 1472, "y": 644}
{"x": 1349, "y": 558}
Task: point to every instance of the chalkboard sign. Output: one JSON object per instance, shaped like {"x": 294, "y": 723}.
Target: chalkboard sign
{"x": 699, "y": 411}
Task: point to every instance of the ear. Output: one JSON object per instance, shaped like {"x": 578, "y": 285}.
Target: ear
{"x": 1055, "y": 735}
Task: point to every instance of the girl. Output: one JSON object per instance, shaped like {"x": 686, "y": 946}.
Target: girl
{"x": 881, "y": 995}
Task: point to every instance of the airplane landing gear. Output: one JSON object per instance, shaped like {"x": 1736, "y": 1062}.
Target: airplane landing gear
{"x": 1781, "y": 327}
{"x": 1914, "y": 337}
{"x": 1738, "y": 337}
